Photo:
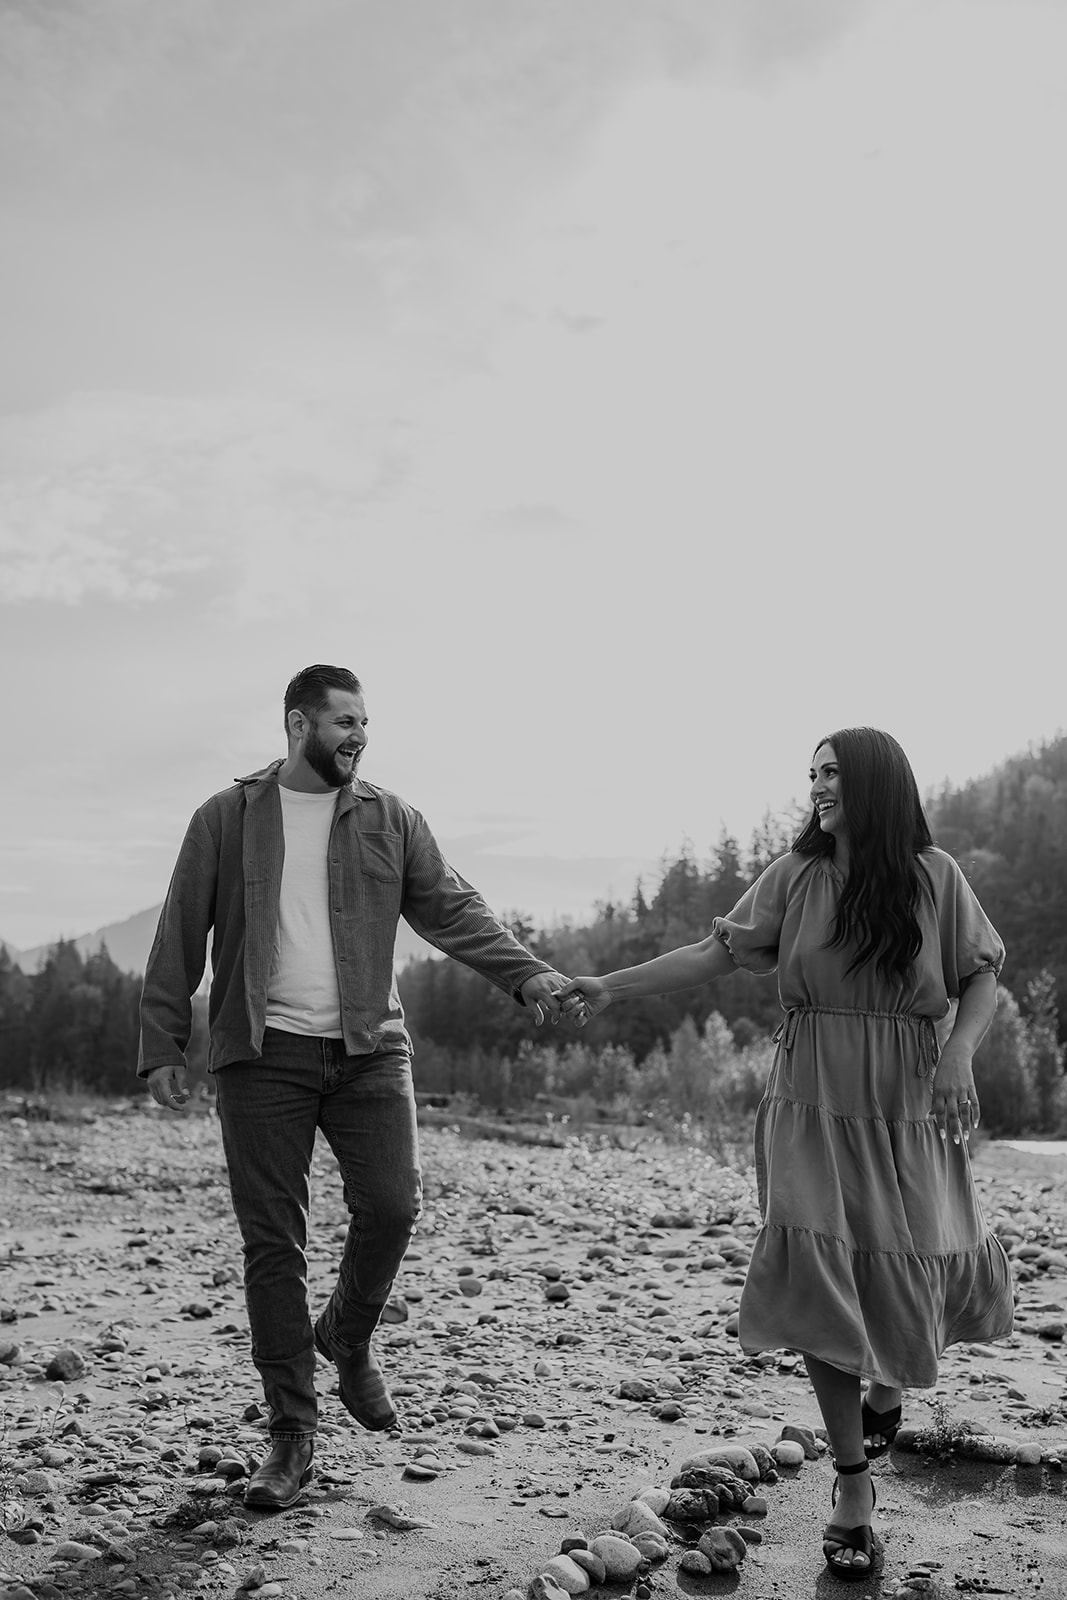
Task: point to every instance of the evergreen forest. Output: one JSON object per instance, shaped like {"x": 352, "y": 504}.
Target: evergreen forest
{"x": 696, "y": 1060}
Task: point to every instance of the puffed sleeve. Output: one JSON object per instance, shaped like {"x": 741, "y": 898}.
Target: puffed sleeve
{"x": 969, "y": 942}
{"x": 753, "y": 928}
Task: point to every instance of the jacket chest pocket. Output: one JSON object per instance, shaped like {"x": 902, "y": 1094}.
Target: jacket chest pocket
{"x": 381, "y": 856}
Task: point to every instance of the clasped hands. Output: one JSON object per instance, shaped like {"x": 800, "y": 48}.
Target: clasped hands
{"x": 548, "y": 994}
{"x": 575, "y": 1000}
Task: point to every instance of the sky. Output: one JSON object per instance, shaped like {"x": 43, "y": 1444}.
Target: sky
{"x": 629, "y": 393}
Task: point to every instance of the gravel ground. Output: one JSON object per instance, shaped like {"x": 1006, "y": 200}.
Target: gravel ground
{"x": 546, "y": 1284}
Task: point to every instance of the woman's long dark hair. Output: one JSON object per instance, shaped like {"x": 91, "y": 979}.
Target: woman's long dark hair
{"x": 887, "y": 832}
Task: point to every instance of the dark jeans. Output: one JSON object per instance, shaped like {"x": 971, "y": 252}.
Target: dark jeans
{"x": 269, "y": 1111}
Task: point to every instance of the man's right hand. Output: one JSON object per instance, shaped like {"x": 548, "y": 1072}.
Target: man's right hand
{"x": 169, "y": 1085}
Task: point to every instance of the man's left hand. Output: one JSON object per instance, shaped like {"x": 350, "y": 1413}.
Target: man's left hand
{"x": 540, "y": 992}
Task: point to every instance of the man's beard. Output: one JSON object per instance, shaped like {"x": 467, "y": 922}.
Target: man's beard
{"x": 324, "y": 763}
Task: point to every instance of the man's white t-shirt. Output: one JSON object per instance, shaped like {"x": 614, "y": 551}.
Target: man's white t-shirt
{"x": 302, "y": 995}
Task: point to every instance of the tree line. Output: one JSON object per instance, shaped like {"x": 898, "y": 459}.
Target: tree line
{"x": 73, "y": 1024}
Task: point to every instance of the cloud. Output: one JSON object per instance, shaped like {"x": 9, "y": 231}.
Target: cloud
{"x": 185, "y": 183}
{"x": 531, "y": 525}
{"x": 126, "y": 496}
{"x": 769, "y": 334}
{"x": 255, "y": 250}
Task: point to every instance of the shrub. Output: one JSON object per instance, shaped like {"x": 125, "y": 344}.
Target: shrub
{"x": 1004, "y": 1071}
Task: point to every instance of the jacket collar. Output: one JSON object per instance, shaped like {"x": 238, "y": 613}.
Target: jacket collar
{"x": 356, "y": 790}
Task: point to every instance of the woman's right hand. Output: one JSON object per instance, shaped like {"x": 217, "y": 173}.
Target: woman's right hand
{"x": 583, "y": 998}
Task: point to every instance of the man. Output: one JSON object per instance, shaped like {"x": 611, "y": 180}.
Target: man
{"x": 301, "y": 872}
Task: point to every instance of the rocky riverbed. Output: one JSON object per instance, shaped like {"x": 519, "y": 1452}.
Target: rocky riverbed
{"x": 560, "y": 1346}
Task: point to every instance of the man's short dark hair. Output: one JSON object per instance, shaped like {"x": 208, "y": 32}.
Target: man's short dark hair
{"x": 309, "y": 690}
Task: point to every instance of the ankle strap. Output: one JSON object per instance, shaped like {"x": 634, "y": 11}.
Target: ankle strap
{"x": 860, "y": 1466}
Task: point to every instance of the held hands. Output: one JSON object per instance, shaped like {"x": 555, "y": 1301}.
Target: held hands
{"x": 584, "y": 998}
{"x": 955, "y": 1107}
{"x": 169, "y": 1085}
{"x": 576, "y": 999}
{"x": 539, "y": 993}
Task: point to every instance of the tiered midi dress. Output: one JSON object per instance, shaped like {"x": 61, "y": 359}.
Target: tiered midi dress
{"x": 874, "y": 1254}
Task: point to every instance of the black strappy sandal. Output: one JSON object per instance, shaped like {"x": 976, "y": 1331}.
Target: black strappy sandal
{"x": 886, "y": 1423}
{"x": 860, "y": 1540}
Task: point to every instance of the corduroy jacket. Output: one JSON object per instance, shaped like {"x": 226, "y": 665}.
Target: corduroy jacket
{"x": 384, "y": 863}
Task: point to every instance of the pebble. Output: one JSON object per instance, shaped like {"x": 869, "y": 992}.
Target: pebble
{"x": 196, "y": 1309}
{"x": 737, "y": 1457}
{"x": 621, "y": 1559}
{"x": 545, "y": 1587}
{"x": 66, "y": 1365}
{"x": 72, "y": 1550}
{"x": 792, "y": 1433}
{"x": 567, "y": 1574}
{"x": 638, "y": 1517}
{"x": 37, "y": 1485}
{"x": 692, "y": 1505}
{"x": 655, "y": 1498}
{"x": 636, "y": 1389}
{"x": 396, "y": 1517}
{"x": 590, "y": 1562}
{"x": 990, "y": 1448}
{"x": 724, "y": 1548}
{"x": 651, "y": 1546}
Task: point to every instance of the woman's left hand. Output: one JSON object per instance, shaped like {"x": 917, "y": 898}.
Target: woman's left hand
{"x": 955, "y": 1106}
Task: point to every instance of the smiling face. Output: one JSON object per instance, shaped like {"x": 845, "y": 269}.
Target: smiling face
{"x": 331, "y": 742}
{"x": 826, "y": 791}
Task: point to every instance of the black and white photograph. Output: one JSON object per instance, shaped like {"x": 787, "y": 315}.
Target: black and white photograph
{"x": 533, "y": 878}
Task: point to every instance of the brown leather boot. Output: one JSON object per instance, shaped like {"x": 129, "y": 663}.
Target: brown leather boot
{"x": 283, "y": 1476}
{"x": 360, "y": 1383}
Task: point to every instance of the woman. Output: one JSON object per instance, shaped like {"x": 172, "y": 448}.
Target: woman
{"x": 873, "y": 1255}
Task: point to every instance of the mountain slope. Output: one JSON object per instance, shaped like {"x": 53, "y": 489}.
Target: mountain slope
{"x": 129, "y": 942}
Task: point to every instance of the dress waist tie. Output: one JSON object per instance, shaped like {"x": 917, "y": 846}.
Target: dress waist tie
{"x": 929, "y": 1049}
